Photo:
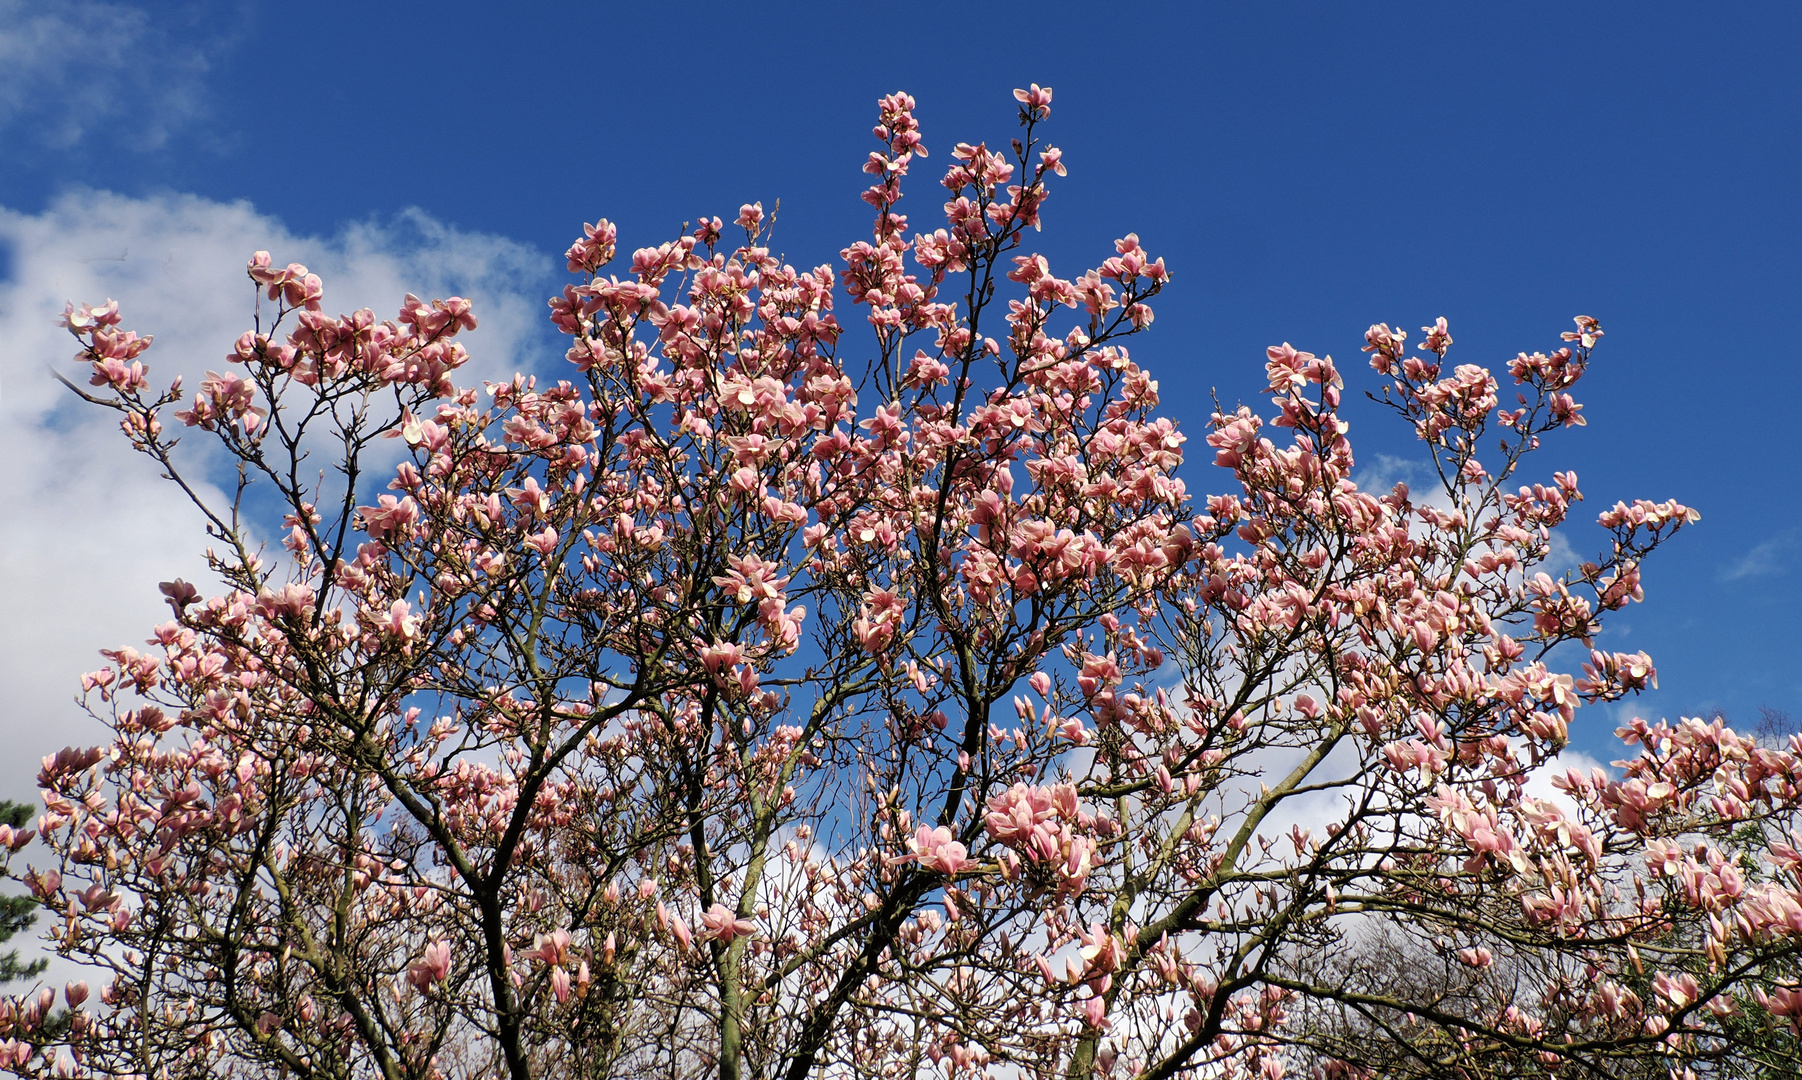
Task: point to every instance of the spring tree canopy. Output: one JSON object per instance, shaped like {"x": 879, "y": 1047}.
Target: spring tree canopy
{"x": 776, "y": 696}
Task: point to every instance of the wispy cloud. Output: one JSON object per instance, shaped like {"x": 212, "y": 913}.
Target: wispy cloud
{"x": 1379, "y": 473}
{"x": 82, "y": 71}
{"x": 1766, "y": 559}
{"x": 1539, "y": 781}
{"x": 86, "y": 528}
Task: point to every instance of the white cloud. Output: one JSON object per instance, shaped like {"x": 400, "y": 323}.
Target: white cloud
{"x": 1377, "y": 473}
{"x": 1381, "y": 472}
{"x": 87, "y": 530}
{"x": 1766, "y": 559}
{"x": 1539, "y": 782}
{"x": 79, "y": 69}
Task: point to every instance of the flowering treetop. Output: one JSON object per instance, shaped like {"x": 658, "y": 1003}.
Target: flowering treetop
{"x": 753, "y": 702}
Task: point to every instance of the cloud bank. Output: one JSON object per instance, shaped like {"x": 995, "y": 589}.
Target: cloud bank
{"x": 87, "y": 529}
{"x": 72, "y": 69}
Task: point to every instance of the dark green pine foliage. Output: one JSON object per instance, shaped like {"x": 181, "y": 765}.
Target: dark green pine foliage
{"x": 16, "y": 912}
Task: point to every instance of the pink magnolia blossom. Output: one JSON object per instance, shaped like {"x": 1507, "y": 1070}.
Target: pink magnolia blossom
{"x": 721, "y": 924}
{"x": 432, "y": 967}
{"x": 870, "y": 599}
{"x": 936, "y": 851}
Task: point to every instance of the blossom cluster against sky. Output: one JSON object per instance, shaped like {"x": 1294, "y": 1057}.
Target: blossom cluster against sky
{"x": 1307, "y": 169}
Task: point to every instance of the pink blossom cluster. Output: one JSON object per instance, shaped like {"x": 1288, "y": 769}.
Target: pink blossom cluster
{"x": 654, "y": 714}
{"x": 1047, "y": 834}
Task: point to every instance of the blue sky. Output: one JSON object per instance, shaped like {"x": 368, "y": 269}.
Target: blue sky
{"x": 1305, "y": 170}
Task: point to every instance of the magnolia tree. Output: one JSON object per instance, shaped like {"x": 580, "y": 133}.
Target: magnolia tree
{"x": 768, "y": 699}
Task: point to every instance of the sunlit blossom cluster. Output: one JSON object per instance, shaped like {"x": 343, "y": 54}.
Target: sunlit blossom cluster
{"x": 828, "y": 671}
